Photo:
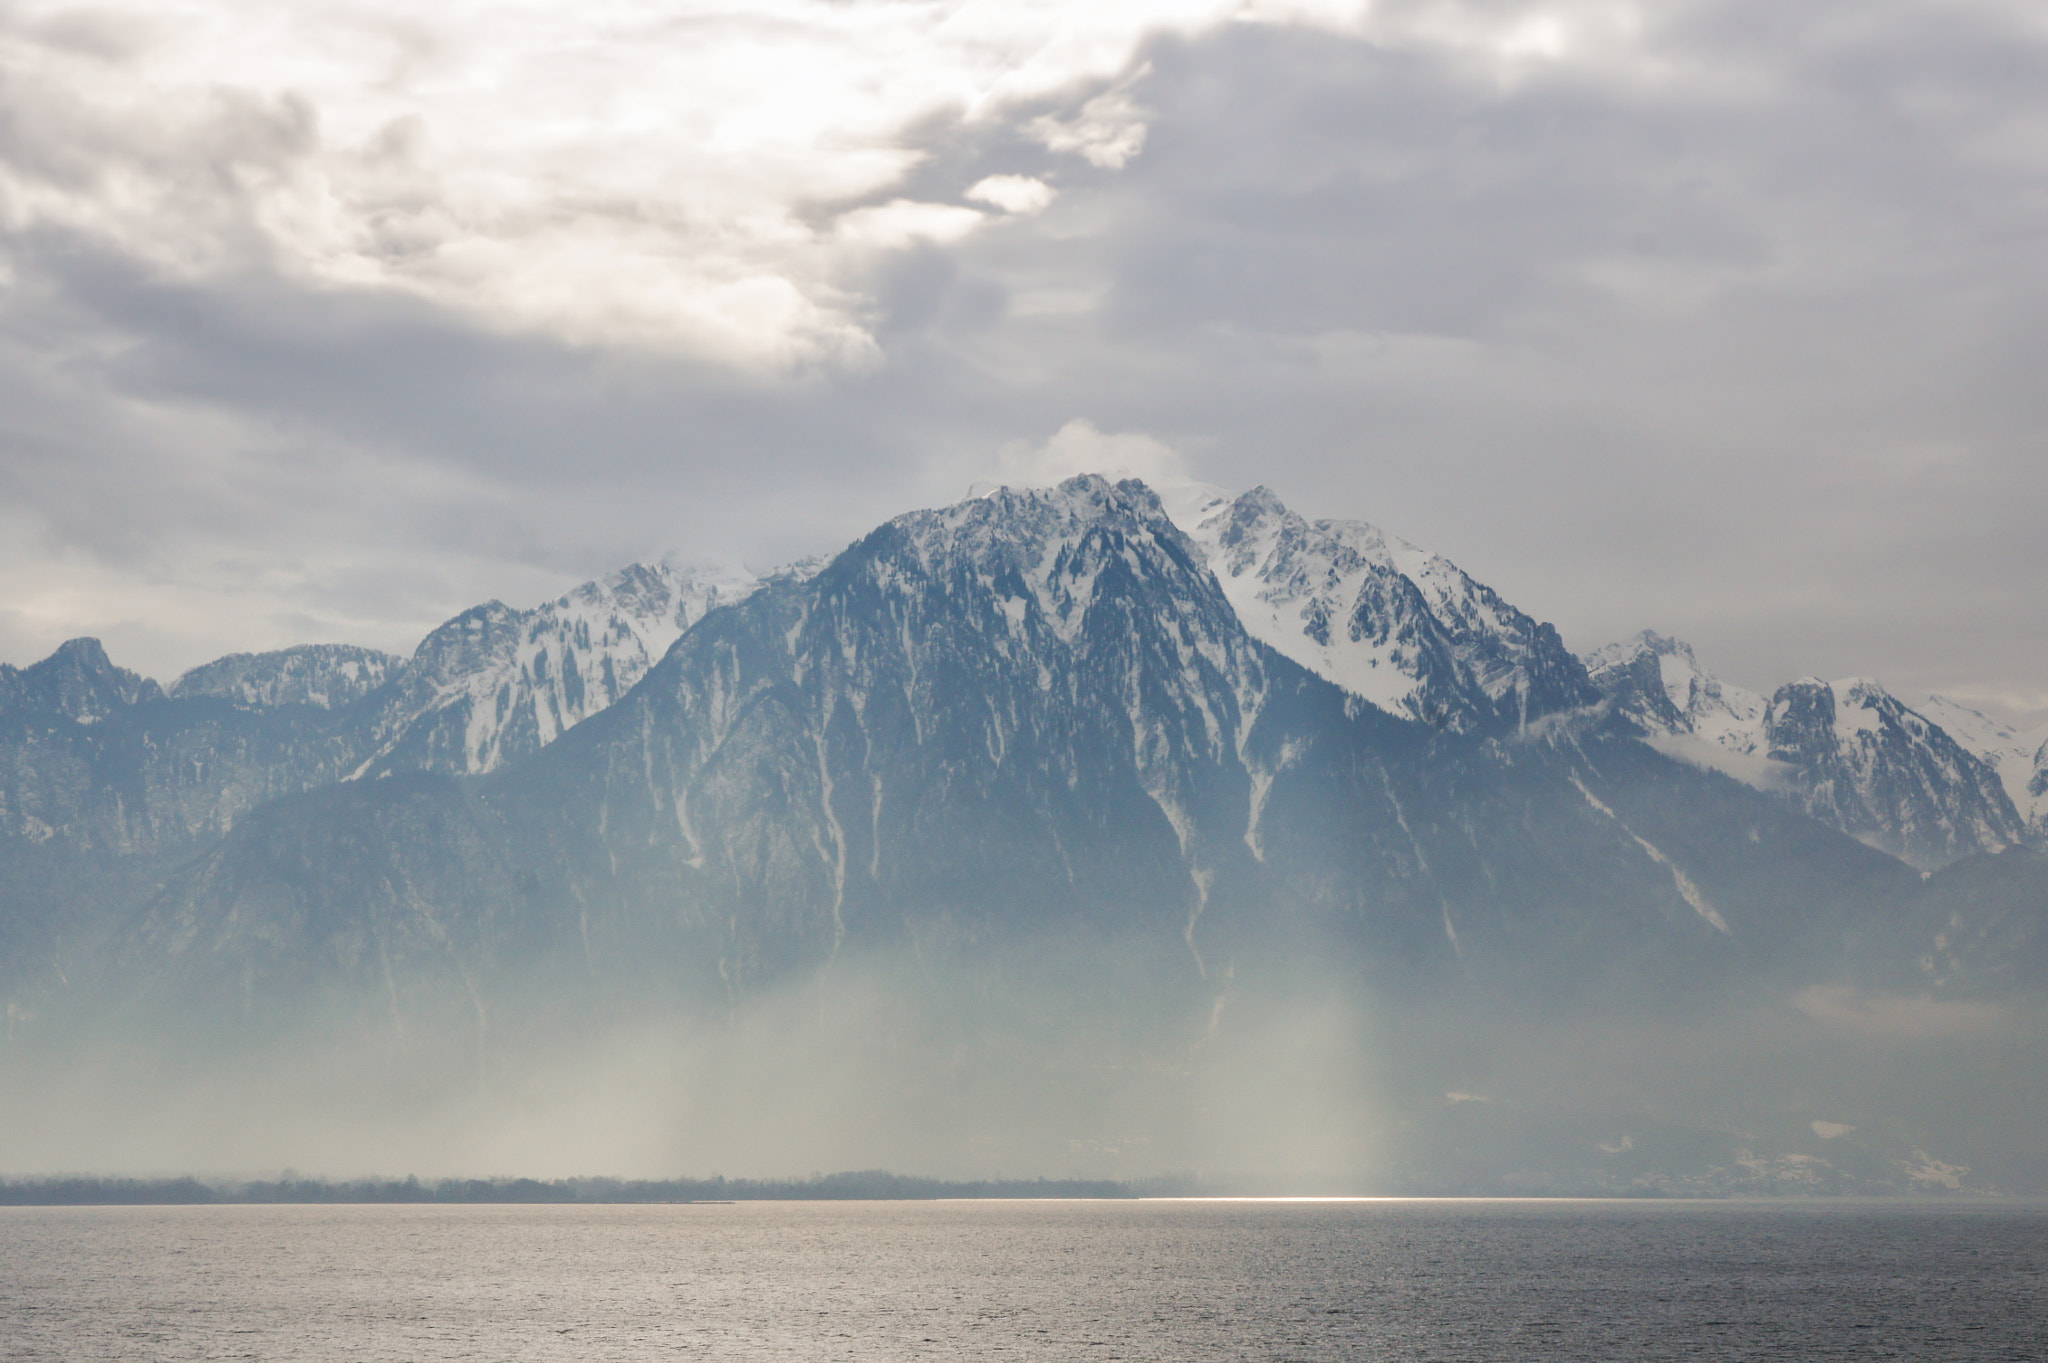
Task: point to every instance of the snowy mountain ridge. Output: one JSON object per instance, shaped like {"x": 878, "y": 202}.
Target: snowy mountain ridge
{"x": 494, "y": 682}
{"x": 1033, "y": 713}
{"x": 327, "y": 675}
{"x": 1886, "y": 774}
{"x": 1848, "y": 752}
{"x": 2020, "y": 758}
{"x": 1395, "y": 624}
{"x": 1668, "y": 689}
{"x": 1038, "y": 702}
{"x": 1010, "y": 798}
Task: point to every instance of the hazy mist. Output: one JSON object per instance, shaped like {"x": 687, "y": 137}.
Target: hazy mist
{"x": 943, "y": 1069}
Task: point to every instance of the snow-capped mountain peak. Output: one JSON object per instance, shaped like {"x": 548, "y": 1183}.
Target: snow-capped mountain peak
{"x": 1883, "y": 772}
{"x": 1659, "y": 683}
{"x": 495, "y": 682}
{"x": 1388, "y": 621}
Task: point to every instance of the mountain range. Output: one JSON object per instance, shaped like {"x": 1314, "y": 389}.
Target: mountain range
{"x": 1095, "y": 773}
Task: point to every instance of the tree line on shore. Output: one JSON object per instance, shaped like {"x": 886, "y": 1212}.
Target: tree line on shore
{"x": 860, "y": 1185}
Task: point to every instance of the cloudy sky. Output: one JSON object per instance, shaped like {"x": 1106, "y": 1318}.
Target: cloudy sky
{"x": 323, "y": 321}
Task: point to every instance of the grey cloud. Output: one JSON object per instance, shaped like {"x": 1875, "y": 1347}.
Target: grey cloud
{"x": 1741, "y": 350}
{"x": 102, "y": 34}
{"x": 312, "y": 435}
{"x": 1707, "y": 352}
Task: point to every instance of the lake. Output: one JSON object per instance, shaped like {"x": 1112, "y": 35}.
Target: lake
{"x": 1250, "y": 1280}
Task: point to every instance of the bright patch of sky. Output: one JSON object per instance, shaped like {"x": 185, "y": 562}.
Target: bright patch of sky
{"x": 617, "y": 171}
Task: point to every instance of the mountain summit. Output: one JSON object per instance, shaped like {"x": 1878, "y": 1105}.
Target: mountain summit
{"x": 1396, "y": 625}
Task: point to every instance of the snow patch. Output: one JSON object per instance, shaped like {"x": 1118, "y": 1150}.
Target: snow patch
{"x": 1687, "y": 889}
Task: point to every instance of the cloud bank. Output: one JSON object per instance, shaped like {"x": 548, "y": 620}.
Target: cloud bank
{"x": 325, "y": 322}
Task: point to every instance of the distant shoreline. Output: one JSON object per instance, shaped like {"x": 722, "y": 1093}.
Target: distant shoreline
{"x": 866, "y": 1185}
{"x": 856, "y": 1186}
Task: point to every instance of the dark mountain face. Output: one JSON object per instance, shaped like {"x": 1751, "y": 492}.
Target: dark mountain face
{"x": 1032, "y": 718}
{"x": 1039, "y": 706}
{"x": 78, "y": 682}
{"x": 1980, "y": 928}
{"x": 107, "y": 781}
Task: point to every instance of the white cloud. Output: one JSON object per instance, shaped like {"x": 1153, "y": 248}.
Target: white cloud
{"x": 1018, "y": 194}
{"x": 1108, "y": 132}
{"x": 902, "y": 221}
{"x": 1079, "y": 447}
{"x": 610, "y": 173}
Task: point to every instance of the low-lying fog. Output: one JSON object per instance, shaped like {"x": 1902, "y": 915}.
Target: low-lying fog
{"x": 888, "y": 1063}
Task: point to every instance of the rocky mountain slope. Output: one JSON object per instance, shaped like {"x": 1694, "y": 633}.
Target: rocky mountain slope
{"x": 78, "y": 683}
{"x": 1881, "y": 772}
{"x": 107, "y": 779}
{"x": 100, "y": 761}
{"x": 105, "y": 759}
{"x": 106, "y": 783}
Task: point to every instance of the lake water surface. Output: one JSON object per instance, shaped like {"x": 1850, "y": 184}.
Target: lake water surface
{"x": 1440, "y": 1280}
